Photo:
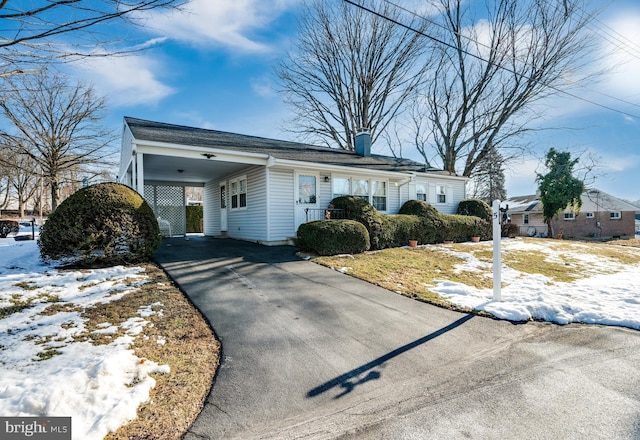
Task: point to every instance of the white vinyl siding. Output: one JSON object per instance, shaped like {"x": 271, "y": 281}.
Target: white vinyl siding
{"x": 281, "y": 204}
{"x": 249, "y": 223}
{"x": 211, "y": 208}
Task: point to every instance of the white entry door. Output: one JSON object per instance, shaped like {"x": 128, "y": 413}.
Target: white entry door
{"x": 306, "y": 195}
{"x": 223, "y": 207}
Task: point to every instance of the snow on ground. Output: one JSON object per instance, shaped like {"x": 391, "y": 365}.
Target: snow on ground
{"x": 43, "y": 370}
{"x": 607, "y": 292}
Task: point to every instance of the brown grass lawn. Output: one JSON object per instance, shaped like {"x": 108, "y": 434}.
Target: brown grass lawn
{"x": 412, "y": 272}
{"x": 191, "y": 351}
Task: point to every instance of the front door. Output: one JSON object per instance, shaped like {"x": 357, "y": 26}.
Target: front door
{"x": 306, "y": 196}
{"x": 223, "y": 207}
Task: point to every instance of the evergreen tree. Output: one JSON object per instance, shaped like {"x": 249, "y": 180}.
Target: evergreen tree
{"x": 488, "y": 178}
{"x": 558, "y": 188}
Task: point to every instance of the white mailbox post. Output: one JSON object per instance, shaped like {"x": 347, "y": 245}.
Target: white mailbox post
{"x": 497, "y": 258}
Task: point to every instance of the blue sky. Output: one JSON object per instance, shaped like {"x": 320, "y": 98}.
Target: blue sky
{"x": 212, "y": 67}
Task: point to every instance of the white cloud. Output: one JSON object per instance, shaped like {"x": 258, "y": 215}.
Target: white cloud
{"x": 520, "y": 177}
{"x": 263, "y": 87}
{"x": 127, "y": 80}
{"x": 621, "y": 53}
{"x": 225, "y": 23}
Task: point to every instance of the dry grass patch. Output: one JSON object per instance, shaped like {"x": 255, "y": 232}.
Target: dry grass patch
{"x": 411, "y": 272}
{"x": 190, "y": 350}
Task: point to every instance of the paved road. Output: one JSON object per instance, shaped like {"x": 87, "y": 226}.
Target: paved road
{"x": 311, "y": 353}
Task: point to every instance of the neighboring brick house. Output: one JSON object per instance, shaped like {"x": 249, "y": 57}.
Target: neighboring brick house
{"x": 601, "y": 215}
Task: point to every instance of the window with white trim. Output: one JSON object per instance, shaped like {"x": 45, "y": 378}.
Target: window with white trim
{"x": 421, "y": 192}
{"x": 526, "y": 219}
{"x": 615, "y": 215}
{"x": 589, "y": 215}
{"x": 569, "y": 216}
{"x": 341, "y": 186}
{"x": 239, "y": 193}
{"x": 441, "y": 194}
{"x": 379, "y": 195}
{"x": 361, "y": 188}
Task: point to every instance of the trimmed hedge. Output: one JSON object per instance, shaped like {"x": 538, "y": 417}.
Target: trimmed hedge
{"x": 194, "y": 218}
{"x": 104, "y": 224}
{"x": 476, "y": 208}
{"x": 331, "y": 237}
{"x": 362, "y": 211}
{"x": 417, "y": 220}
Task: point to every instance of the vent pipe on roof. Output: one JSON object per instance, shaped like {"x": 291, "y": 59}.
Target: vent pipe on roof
{"x": 363, "y": 142}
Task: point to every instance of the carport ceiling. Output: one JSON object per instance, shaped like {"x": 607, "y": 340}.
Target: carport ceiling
{"x": 166, "y": 168}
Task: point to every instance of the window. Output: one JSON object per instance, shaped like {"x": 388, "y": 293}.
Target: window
{"x": 569, "y": 216}
{"x": 589, "y": 215}
{"x": 361, "y": 188}
{"x": 379, "y": 198}
{"x": 239, "y": 193}
{"x": 615, "y": 215}
{"x": 341, "y": 186}
{"x": 421, "y": 192}
{"x": 526, "y": 219}
{"x": 306, "y": 189}
{"x": 441, "y": 195}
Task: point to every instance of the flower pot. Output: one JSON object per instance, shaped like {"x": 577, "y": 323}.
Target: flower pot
{"x": 475, "y": 239}
{"x": 413, "y": 243}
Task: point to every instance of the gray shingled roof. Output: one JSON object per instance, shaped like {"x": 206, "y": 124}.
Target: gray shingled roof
{"x": 144, "y": 130}
{"x": 592, "y": 200}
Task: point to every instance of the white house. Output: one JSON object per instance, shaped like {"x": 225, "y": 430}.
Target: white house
{"x": 260, "y": 189}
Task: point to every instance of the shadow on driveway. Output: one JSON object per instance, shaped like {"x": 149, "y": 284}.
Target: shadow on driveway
{"x": 344, "y": 380}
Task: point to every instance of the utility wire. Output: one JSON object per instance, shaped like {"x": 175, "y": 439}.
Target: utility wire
{"x": 589, "y": 16}
{"x": 478, "y": 57}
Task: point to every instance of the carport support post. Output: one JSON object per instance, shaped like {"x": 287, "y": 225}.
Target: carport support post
{"x": 497, "y": 260}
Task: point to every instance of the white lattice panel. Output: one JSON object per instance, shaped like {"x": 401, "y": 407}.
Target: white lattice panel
{"x": 168, "y": 204}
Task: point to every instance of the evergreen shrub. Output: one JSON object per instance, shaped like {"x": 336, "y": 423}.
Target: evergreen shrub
{"x": 358, "y": 209}
{"x": 476, "y": 208}
{"x": 194, "y": 218}
{"x": 332, "y": 237}
{"x": 103, "y": 224}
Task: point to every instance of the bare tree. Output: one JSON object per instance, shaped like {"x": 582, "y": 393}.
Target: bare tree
{"x": 487, "y": 76}
{"x": 350, "y": 69}
{"x": 24, "y": 181}
{"x": 31, "y": 31}
{"x": 56, "y": 124}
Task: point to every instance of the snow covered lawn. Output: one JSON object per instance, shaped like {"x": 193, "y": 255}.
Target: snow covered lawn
{"x": 552, "y": 280}
{"x": 50, "y": 364}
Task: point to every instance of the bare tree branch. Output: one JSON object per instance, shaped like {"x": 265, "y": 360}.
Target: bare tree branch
{"x": 33, "y": 31}
{"x": 350, "y": 70}
{"x": 488, "y": 76}
{"x": 56, "y": 124}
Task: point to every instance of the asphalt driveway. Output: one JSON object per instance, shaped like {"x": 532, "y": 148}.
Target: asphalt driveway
{"x": 311, "y": 353}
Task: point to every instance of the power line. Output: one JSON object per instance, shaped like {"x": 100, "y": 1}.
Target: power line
{"x": 478, "y": 57}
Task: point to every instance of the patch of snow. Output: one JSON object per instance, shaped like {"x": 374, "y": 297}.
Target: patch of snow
{"x": 44, "y": 369}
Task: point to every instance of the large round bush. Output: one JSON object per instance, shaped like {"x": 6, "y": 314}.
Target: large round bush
{"x": 108, "y": 223}
{"x": 331, "y": 237}
{"x": 476, "y": 208}
{"x": 358, "y": 209}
